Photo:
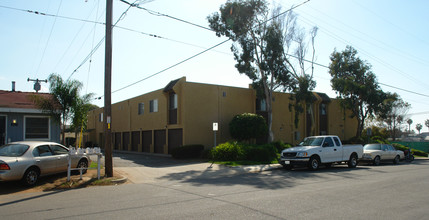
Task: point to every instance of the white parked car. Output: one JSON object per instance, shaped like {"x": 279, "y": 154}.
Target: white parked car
{"x": 28, "y": 160}
{"x": 375, "y": 153}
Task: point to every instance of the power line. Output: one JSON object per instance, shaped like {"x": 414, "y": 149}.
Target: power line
{"x": 170, "y": 67}
{"x": 416, "y": 93}
{"x": 99, "y": 43}
{"x": 161, "y": 14}
{"x": 418, "y": 113}
{"x": 49, "y": 38}
{"x": 195, "y": 54}
{"x": 157, "y": 36}
{"x": 52, "y": 15}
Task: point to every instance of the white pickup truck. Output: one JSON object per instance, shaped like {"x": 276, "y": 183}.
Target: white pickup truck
{"x": 316, "y": 150}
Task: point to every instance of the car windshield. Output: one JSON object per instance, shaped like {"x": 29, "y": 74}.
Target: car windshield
{"x": 13, "y": 150}
{"x": 312, "y": 141}
{"x": 372, "y": 147}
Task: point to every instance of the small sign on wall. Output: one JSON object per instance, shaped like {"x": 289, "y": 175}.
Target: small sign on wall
{"x": 215, "y": 126}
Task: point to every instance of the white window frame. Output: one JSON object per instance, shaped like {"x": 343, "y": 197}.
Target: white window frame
{"x": 36, "y": 116}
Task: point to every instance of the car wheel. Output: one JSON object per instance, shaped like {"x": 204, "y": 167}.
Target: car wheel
{"x": 314, "y": 163}
{"x": 396, "y": 160}
{"x": 82, "y": 164}
{"x": 352, "y": 163}
{"x": 377, "y": 160}
{"x": 30, "y": 177}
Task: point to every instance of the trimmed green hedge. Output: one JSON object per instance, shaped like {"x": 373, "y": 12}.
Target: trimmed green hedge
{"x": 236, "y": 151}
{"x": 187, "y": 151}
{"x": 414, "y": 151}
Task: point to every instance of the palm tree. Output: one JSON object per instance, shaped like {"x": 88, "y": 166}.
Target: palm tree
{"x": 64, "y": 95}
{"x": 419, "y": 127}
{"x": 409, "y": 122}
{"x": 80, "y": 110}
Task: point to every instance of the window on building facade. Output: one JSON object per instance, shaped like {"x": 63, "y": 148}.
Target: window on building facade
{"x": 173, "y": 101}
{"x": 172, "y": 111}
{"x": 141, "y": 108}
{"x": 153, "y": 105}
{"x": 36, "y": 128}
{"x": 323, "y": 109}
{"x": 261, "y": 105}
{"x": 100, "y": 117}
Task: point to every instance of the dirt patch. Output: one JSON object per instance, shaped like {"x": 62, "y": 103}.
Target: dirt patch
{"x": 59, "y": 182}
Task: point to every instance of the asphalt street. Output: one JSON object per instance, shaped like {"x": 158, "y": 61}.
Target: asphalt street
{"x": 367, "y": 192}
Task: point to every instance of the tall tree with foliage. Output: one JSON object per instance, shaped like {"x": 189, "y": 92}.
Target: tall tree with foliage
{"x": 409, "y": 122}
{"x": 257, "y": 45}
{"x": 295, "y": 41}
{"x": 64, "y": 97}
{"x": 419, "y": 127}
{"x": 80, "y": 113}
{"x": 392, "y": 112}
{"x": 356, "y": 85}
{"x": 427, "y": 123}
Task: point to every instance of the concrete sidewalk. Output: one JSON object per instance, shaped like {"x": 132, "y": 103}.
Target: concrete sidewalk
{"x": 143, "y": 174}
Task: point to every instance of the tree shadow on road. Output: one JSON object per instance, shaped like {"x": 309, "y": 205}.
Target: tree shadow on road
{"x": 271, "y": 179}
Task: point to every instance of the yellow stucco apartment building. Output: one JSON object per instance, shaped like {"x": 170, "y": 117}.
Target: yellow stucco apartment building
{"x": 183, "y": 113}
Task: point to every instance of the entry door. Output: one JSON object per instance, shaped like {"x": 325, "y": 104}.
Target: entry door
{"x": 2, "y": 130}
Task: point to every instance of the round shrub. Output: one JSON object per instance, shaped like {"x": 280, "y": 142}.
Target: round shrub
{"x": 229, "y": 151}
{"x": 247, "y": 126}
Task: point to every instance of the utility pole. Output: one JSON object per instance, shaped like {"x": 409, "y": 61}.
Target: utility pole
{"x": 108, "y": 92}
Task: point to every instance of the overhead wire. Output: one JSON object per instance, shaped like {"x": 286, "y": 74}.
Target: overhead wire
{"x": 51, "y": 15}
{"x": 99, "y": 43}
{"x": 377, "y": 59}
{"x": 49, "y": 38}
{"x": 195, "y": 54}
{"x": 157, "y": 36}
{"x": 164, "y": 15}
{"x": 93, "y": 39}
{"x": 76, "y": 35}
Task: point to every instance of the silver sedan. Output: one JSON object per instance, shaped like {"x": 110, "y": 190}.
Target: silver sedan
{"x": 28, "y": 160}
{"x": 375, "y": 153}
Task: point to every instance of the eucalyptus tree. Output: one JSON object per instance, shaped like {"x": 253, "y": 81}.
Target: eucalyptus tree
{"x": 356, "y": 85}
{"x": 392, "y": 112}
{"x": 257, "y": 45}
{"x": 295, "y": 52}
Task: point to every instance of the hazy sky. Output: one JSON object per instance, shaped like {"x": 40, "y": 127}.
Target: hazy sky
{"x": 391, "y": 35}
